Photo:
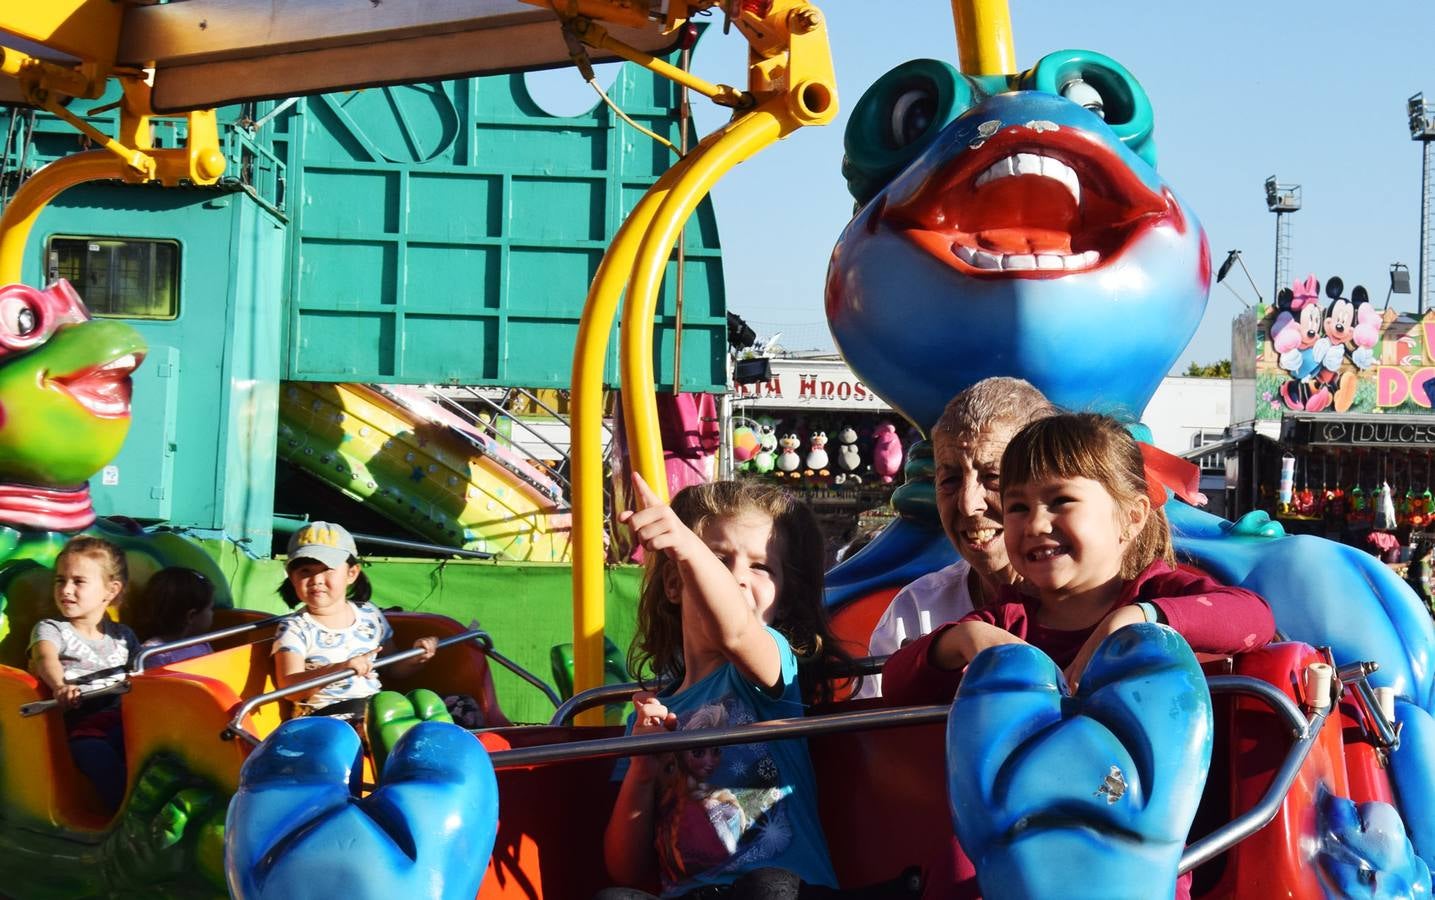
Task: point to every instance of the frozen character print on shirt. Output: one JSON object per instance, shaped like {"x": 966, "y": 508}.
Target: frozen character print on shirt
{"x": 719, "y": 808}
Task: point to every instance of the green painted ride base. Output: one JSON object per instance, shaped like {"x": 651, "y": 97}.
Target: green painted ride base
{"x": 526, "y": 607}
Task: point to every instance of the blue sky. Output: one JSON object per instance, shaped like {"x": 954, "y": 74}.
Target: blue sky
{"x": 1312, "y": 91}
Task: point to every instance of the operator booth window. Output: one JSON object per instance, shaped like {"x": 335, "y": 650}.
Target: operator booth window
{"x": 120, "y": 277}
{"x": 1210, "y": 463}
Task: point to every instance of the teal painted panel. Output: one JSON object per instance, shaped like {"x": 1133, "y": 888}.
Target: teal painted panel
{"x": 501, "y": 218}
{"x": 556, "y": 209}
{"x": 233, "y": 258}
{"x": 327, "y": 341}
{"x": 568, "y": 147}
{"x": 351, "y": 202}
{"x": 452, "y": 279}
{"x": 139, "y": 482}
{"x": 349, "y": 274}
{"x": 700, "y": 305}
{"x": 252, "y": 360}
{"x": 554, "y": 363}
{"x": 544, "y": 280}
{"x": 455, "y": 206}
{"x": 463, "y": 351}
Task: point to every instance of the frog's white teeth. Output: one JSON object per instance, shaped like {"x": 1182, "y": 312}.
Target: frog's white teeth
{"x": 1044, "y": 553}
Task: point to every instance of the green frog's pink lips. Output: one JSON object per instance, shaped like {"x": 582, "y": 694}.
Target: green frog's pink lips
{"x": 103, "y": 389}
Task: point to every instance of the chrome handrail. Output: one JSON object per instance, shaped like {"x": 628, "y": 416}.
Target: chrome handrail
{"x": 607, "y": 693}
{"x": 1305, "y": 730}
{"x": 235, "y": 729}
{"x": 1258, "y": 816}
{"x": 147, "y": 652}
{"x": 35, "y": 707}
{"x": 598, "y": 696}
{"x": 771, "y": 730}
{"x": 1355, "y": 676}
{"x": 523, "y": 673}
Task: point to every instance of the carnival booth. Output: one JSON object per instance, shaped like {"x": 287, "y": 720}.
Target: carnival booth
{"x": 812, "y": 424}
{"x": 1343, "y": 437}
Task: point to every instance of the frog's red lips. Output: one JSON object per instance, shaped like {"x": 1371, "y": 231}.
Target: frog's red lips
{"x": 105, "y": 389}
{"x": 1032, "y": 205}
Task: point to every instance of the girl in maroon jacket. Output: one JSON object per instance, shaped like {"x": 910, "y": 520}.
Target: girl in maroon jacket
{"x": 1085, "y": 530}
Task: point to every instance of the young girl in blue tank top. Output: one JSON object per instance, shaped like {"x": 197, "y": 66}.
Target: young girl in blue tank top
{"x": 732, "y": 599}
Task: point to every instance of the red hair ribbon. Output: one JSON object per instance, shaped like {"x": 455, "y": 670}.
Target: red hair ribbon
{"x": 1163, "y": 470}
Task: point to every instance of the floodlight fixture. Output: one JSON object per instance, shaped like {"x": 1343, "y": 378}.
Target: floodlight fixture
{"x": 1399, "y": 281}
{"x": 1282, "y": 198}
{"x": 751, "y": 371}
{"x": 1422, "y": 118}
{"x": 740, "y": 335}
{"x": 1232, "y": 258}
{"x": 1399, "y": 278}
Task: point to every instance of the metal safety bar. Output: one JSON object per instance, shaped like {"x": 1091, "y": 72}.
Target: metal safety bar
{"x": 231, "y": 631}
{"x": 235, "y": 729}
{"x": 608, "y": 693}
{"x": 1260, "y": 815}
{"x": 36, "y": 707}
{"x": 599, "y": 696}
{"x": 1355, "y": 676}
{"x": 1303, "y": 729}
{"x": 771, "y": 730}
{"x": 523, "y": 673}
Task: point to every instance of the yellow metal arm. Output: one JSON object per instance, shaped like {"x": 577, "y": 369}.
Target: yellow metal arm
{"x": 37, "y": 191}
{"x": 595, "y": 35}
{"x": 129, "y": 157}
{"x": 797, "y": 88}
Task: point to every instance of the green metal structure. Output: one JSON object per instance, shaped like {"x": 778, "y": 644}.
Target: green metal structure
{"x": 442, "y": 232}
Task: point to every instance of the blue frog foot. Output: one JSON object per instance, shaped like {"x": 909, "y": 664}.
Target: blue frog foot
{"x": 1105, "y": 783}
{"x": 297, "y": 829}
{"x": 1364, "y": 852}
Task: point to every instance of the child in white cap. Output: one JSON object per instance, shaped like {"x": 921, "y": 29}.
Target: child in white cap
{"x": 339, "y": 628}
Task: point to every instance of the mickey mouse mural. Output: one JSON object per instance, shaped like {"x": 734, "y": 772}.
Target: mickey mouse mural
{"x": 1314, "y": 343}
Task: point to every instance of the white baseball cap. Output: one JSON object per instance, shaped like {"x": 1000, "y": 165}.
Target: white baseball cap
{"x": 326, "y": 542}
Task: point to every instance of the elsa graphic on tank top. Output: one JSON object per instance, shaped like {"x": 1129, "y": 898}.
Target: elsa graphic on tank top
{"x": 719, "y": 808}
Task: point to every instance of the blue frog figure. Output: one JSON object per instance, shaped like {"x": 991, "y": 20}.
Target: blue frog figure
{"x": 1016, "y": 225}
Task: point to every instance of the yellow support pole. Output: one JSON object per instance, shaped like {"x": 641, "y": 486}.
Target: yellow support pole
{"x": 790, "y": 71}
{"x": 37, "y": 191}
{"x": 984, "y": 39}
{"x": 746, "y": 136}
{"x": 586, "y": 421}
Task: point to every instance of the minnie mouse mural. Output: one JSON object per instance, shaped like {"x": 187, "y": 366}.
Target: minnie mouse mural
{"x": 1313, "y": 344}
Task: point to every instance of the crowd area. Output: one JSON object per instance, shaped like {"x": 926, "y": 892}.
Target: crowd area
{"x": 1058, "y": 522}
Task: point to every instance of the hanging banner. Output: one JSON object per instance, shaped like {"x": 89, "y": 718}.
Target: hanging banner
{"x": 1329, "y": 351}
{"x": 809, "y": 384}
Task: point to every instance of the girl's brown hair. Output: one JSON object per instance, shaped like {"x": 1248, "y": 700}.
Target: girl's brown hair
{"x": 168, "y": 599}
{"x": 111, "y": 558}
{"x": 1090, "y": 445}
{"x": 800, "y": 615}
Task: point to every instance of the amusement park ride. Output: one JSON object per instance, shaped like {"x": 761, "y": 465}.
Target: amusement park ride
{"x": 993, "y": 199}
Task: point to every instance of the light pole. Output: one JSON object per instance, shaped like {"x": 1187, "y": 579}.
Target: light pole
{"x": 1422, "y": 129}
{"x": 1282, "y": 199}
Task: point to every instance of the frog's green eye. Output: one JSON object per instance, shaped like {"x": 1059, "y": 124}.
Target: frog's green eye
{"x": 896, "y": 120}
{"x": 1104, "y": 86}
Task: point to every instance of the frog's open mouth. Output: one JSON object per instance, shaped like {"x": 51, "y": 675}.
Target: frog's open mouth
{"x": 104, "y": 389}
{"x": 1031, "y": 206}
